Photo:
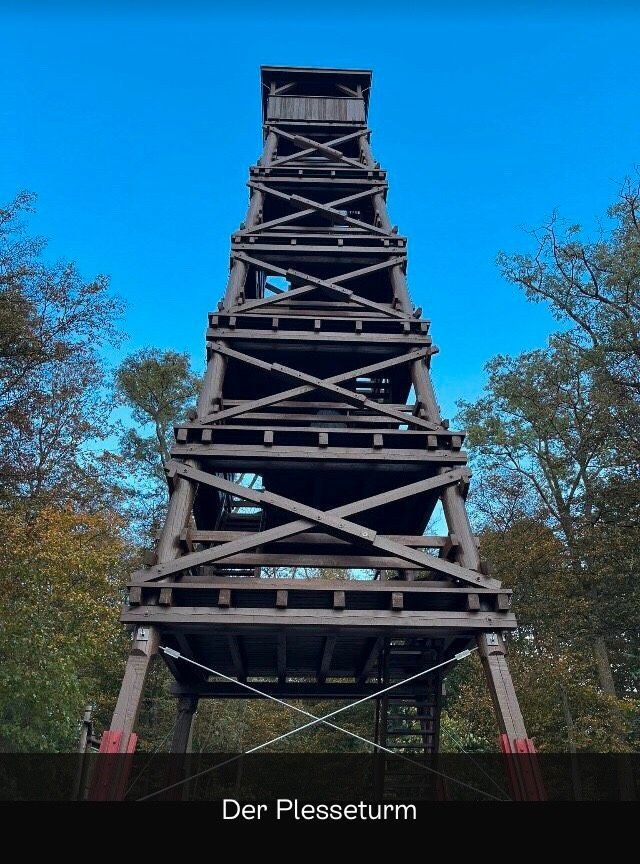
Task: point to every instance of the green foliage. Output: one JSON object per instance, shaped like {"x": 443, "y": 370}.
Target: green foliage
{"x": 555, "y": 443}
{"x": 53, "y": 327}
{"x": 61, "y": 584}
{"x": 158, "y": 387}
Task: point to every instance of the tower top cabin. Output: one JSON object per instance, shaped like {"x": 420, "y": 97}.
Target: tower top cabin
{"x": 299, "y": 96}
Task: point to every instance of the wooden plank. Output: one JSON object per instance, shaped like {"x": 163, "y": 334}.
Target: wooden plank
{"x": 473, "y": 602}
{"x": 358, "y": 619}
{"x": 312, "y": 145}
{"x": 427, "y": 541}
{"x": 309, "y": 206}
{"x": 257, "y": 458}
{"x": 342, "y": 561}
{"x": 135, "y": 595}
{"x": 338, "y": 690}
{"x": 166, "y": 597}
{"x": 315, "y": 336}
{"x": 384, "y": 586}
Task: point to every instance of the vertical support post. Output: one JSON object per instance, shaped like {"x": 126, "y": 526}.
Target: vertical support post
{"x": 144, "y": 648}
{"x": 181, "y": 741}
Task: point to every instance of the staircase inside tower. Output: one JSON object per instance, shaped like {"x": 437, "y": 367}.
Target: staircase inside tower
{"x": 408, "y": 720}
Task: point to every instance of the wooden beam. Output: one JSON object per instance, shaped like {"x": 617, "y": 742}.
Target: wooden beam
{"x": 330, "y": 384}
{"x": 237, "y": 656}
{"x": 282, "y": 160}
{"x": 327, "y": 149}
{"x": 344, "y": 586}
{"x": 199, "y": 618}
{"x": 339, "y": 690}
{"x": 308, "y": 206}
{"x": 332, "y": 520}
{"x": 280, "y": 91}
{"x": 282, "y": 657}
{"x": 370, "y": 657}
{"x": 327, "y": 655}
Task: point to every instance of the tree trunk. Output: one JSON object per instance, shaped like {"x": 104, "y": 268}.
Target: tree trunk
{"x": 603, "y": 665}
{"x": 576, "y": 779}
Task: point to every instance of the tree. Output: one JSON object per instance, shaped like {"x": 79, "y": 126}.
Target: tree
{"x": 594, "y": 287}
{"x": 158, "y": 387}
{"x": 556, "y": 439}
{"x": 62, "y": 577}
{"x": 53, "y": 402}
{"x": 544, "y": 419}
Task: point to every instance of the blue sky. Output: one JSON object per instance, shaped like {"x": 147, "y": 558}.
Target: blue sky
{"x": 136, "y": 127}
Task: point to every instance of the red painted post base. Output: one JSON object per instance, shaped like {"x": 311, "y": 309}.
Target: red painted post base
{"x": 523, "y": 769}
{"x": 112, "y": 767}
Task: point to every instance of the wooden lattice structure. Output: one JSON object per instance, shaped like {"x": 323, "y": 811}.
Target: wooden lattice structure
{"x": 318, "y": 442}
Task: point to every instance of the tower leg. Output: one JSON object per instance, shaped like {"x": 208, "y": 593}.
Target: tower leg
{"x": 143, "y": 651}
{"x": 118, "y": 744}
{"x": 523, "y": 770}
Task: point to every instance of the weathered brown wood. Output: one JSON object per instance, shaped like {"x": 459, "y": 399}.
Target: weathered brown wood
{"x": 269, "y": 478}
{"x": 329, "y": 384}
{"x": 224, "y": 597}
{"x": 332, "y": 520}
{"x": 308, "y": 206}
{"x": 166, "y": 597}
{"x": 370, "y": 657}
{"x": 338, "y": 690}
{"x": 344, "y": 586}
{"x": 282, "y": 657}
{"x": 327, "y": 655}
{"x": 428, "y": 541}
{"x": 473, "y": 602}
{"x": 282, "y": 160}
{"x": 135, "y": 595}
{"x": 397, "y": 601}
{"x": 181, "y": 739}
{"x": 204, "y": 616}
{"x": 237, "y": 656}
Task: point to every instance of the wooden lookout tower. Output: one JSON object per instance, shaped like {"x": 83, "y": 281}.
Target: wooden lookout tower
{"x": 317, "y": 443}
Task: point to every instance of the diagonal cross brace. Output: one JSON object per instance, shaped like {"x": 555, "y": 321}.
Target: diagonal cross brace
{"x": 326, "y": 149}
{"x": 310, "y": 206}
{"x": 312, "y": 283}
{"x": 332, "y": 520}
{"x": 322, "y": 384}
{"x": 282, "y": 160}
